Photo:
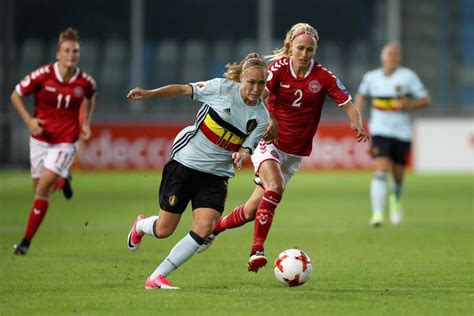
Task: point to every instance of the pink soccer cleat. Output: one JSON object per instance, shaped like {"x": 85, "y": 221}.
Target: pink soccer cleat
{"x": 135, "y": 238}
{"x": 159, "y": 282}
{"x": 256, "y": 261}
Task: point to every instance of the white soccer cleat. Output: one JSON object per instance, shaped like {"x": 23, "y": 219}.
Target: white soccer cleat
{"x": 377, "y": 219}
{"x": 396, "y": 211}
{"x": 207, "y": 243}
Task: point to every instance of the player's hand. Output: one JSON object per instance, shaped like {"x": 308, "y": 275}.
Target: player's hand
{"x": 239, "y": 157}
{"x": 361, "y": 133}
{"x": 85, "y": 132}
{"x": 138, "y": 94}
{"x": 35, "y": 125}
{"x": 402, "y": 104}
{"x": 271, "y": 131}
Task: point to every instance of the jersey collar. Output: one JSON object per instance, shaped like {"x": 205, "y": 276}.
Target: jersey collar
{"x": 293, "y": 73}
{"x": 60, "y": 78}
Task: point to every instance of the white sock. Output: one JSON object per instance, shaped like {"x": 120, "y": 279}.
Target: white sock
{"x": 147, "y": 225}
{"x": 181, "y": 252}
{"x": 378, "y": 191}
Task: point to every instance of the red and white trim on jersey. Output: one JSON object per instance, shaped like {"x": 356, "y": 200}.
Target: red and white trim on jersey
{"x": 349, "y": 98}
{"x": 345, "y": 102}
{"x": 293, "y": 73}
{"x": 60, "y": 78}
{"x": 30, "y": 77}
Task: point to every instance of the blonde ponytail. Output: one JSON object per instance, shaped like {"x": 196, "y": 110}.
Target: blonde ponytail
{"x": 235, "y": 71}
{"x": 295, "y": 30}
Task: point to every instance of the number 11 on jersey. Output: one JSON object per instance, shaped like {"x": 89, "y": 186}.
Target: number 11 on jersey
{"x": 67, "y": 99}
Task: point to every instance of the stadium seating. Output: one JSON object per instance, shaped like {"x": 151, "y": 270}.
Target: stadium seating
{"x": 194, "y": 61}
{"x": 172, "y": 61}
{"x": 90, "y": 56}
{"x": 244, "y": 47}
{"x": 330, "y": 56}
{"x": 32, "y": 55}
{"x": 221, "y": 55}
{"x": 165, "y": 60}
{"x": 113, "y": 75}
{"x": 466, "y": 65}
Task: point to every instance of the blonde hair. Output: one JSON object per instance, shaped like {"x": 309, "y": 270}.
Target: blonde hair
{"x": 69, "y": 34}
{"x": 252, "y": 60}
{"x": 295, "y": 30}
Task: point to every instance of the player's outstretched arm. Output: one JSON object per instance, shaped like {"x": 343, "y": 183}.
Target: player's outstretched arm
{"x": 359, "y": 103}
{"x": 356, "y": 122}
{"x": 166, "y": 91}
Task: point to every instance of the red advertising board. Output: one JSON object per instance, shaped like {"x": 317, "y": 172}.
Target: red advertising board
{"x": 146, "y": 146}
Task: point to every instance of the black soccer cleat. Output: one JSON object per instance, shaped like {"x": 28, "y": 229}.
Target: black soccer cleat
{"x": 67, "y": 188}
{"x": 22, "y": 248}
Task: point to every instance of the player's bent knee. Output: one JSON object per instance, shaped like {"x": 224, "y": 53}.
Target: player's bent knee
{"x": 163, "y": 231}
{"x": 163, "y": 234}
{"x": 202, "y": 229}
{"x": 276, "y": 186}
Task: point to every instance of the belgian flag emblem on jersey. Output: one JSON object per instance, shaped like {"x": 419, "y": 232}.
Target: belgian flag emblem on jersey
{"x": 222, "y": 133}
{"x": 251, "y": 125}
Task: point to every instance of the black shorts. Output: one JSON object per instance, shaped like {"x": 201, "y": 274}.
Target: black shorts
{"x": 396, "y": 150}
{"x": 181, "y": 184}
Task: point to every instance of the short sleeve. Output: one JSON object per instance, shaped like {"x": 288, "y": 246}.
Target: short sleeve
{"x": 337, "y": 91}
{"x": 32, "y": 81}
{"x": 205, "y": 91}
{"x": 91, "y": 86}
{"x": 273, "y": 77}
{"x": 364, "y": 86}
{"x": 416, "y": 87}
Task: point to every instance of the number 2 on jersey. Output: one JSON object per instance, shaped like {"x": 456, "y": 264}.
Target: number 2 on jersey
{"x": 297, "y": 102}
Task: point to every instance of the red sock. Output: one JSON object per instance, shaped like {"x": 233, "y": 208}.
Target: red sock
{"x": 37, "y": 213}
{"x": 264, "y": 218}
{"x": 58, "y": 185}
{"x": 236, "y": 218}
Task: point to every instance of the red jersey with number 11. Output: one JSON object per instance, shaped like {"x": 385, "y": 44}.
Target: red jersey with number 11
{"x": 296, "y": 103}
{"x": 57, "y": 101}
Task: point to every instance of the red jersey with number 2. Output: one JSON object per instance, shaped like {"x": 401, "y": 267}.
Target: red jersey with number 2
{"x": 296, "y": 103}
{"x": 57, "y": 101}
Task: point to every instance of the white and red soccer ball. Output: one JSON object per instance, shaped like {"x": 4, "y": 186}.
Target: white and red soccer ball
{"x": 293, "y": 267}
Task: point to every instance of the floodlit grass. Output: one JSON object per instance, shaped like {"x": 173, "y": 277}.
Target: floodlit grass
{"x": 79, "y": 264}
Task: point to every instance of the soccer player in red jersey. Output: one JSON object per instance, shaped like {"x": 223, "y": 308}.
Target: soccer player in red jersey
{"x": 296, "y": 87}
{"x": 59, "y": 89}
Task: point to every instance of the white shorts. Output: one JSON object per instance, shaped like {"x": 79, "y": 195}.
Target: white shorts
{"x": 289, "y": 164}
{"x": 57, "y": 158}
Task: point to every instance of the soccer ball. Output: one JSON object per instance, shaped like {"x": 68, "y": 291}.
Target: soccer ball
{"x": 293, "y": 267}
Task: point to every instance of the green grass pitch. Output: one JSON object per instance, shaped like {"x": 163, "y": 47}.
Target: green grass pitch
{"x": 79, "y": 264}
